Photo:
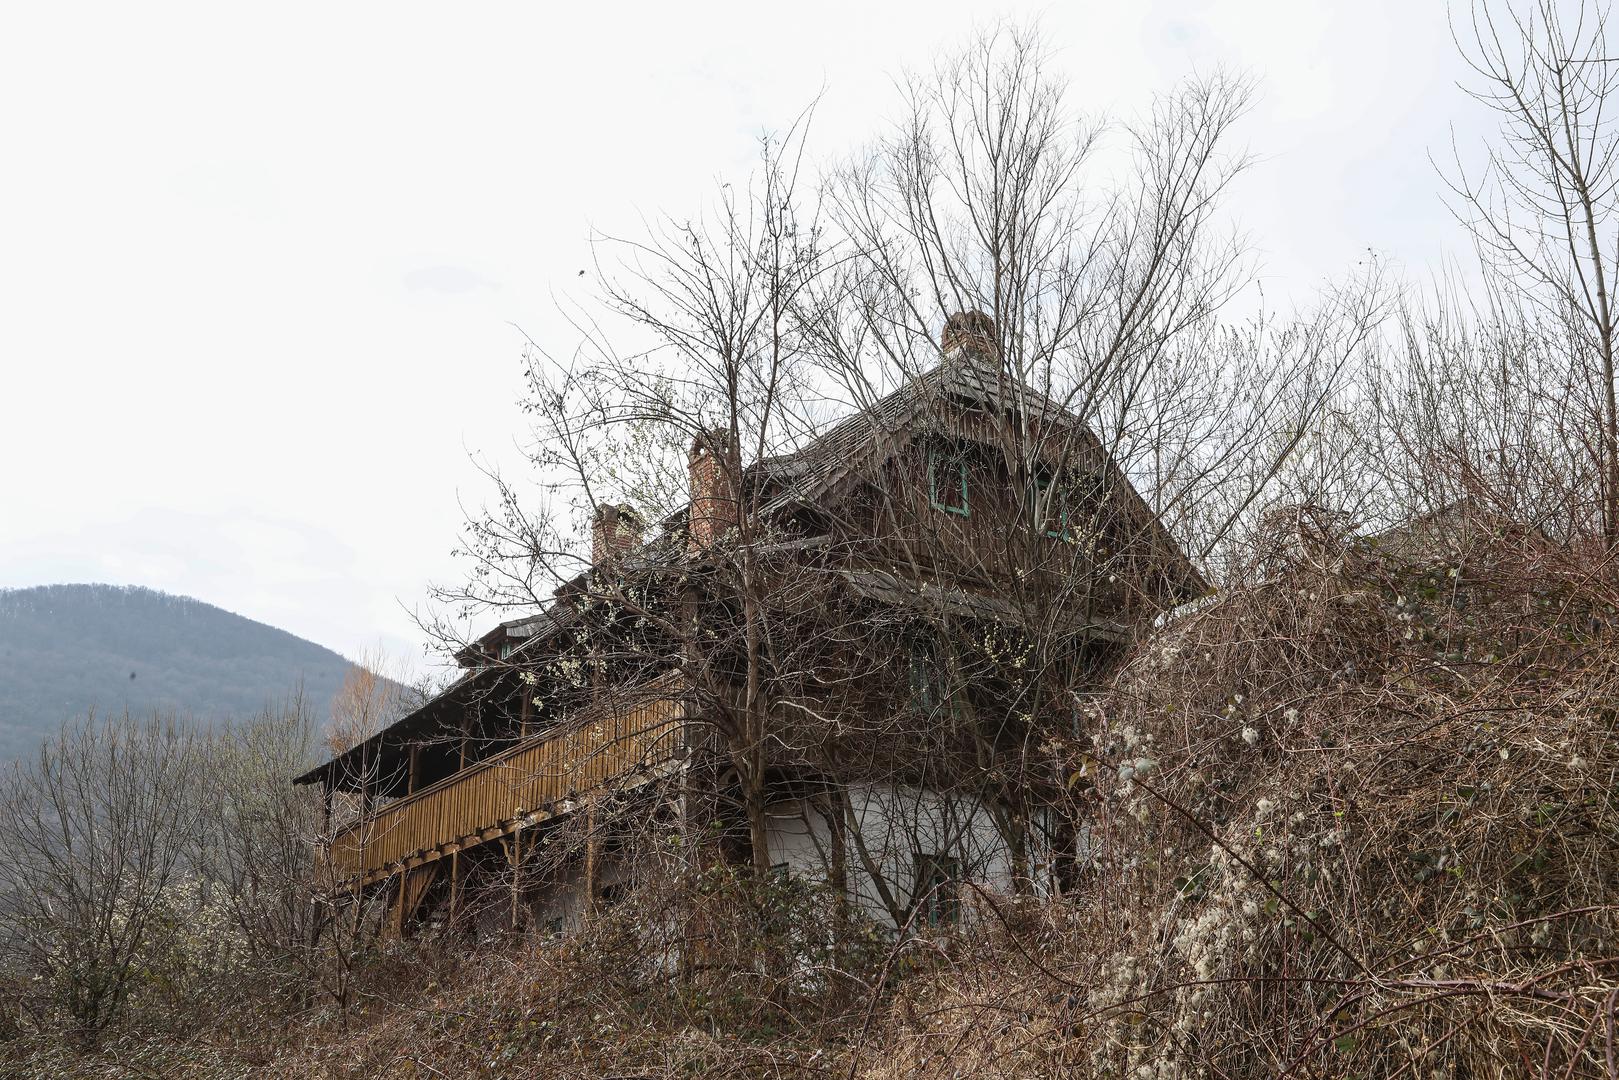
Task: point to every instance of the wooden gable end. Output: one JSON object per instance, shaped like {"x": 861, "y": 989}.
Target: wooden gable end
{"x": 954, "y": 493}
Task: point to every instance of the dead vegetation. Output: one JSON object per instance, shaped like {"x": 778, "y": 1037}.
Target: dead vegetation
{"x": 1357, "y": 818}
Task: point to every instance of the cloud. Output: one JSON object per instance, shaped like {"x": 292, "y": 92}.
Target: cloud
{"x": 449, "y": 280}
{"x": 290, "y": 574}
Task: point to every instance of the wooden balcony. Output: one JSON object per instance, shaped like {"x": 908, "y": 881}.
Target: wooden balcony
{"x": 609, "y": 747}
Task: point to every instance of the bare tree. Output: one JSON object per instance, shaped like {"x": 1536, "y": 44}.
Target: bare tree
{"x": 97, "y": 829}
{"x": 1101, "y": 267}
{"x": 254, "y": 850}
{"x": 373, "y": 695}
{"x": 703, "y": 362}
{"x": 1542, "y": 205}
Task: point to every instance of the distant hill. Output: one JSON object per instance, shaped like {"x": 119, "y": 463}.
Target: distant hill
{"x": 67, "y": 648}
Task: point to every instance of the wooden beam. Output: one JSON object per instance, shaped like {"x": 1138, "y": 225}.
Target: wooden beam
{"x": 514, "y": 855}
{"x": 590, "y": 853}
{"x": 399, "y": 903}
{"x": 455, "y": 886}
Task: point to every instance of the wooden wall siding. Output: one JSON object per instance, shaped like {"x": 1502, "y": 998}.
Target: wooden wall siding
{"x": 991, "y": 545}
{"x": 526, "y": 782}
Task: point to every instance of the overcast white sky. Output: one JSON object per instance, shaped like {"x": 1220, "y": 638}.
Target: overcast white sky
{"x": 258, "y": 262}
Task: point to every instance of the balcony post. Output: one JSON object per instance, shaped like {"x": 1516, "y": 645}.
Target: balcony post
{"x": 399, "y": 903}
{"x": 514, "y": 853}
{"x": 455, "y": 885}
{"x": 590, "y": 853}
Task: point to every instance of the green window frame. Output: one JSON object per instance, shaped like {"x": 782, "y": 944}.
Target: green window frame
{"x": 947, "y": 480}
{"x": 1050, "y": 509}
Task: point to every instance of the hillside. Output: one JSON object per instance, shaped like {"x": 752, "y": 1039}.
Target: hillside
{"x": 67, "y": 648}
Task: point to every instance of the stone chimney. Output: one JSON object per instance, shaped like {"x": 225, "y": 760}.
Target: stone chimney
{"x": 712, "y": 467}
{"x": 614, "y": 530}
{"x": 973, "y": 331}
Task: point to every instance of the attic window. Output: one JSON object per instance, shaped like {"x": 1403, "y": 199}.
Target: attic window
{"x": 1066, "y": 507}
{"x": 947, "y": 480}
{"x": 1050, "y": 507}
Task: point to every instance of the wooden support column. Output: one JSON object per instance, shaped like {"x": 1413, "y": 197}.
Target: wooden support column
{"x": 455, "y": 856}
{"x": 839, "y": 869}
{"x": 591, "y": 845}
{"x": 399, "y": 902}
{"x": 414, "y": 781}
{"x": 514, "y": 858}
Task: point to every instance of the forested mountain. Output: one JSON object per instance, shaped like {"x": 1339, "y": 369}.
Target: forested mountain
{"x": 65, "y": 649}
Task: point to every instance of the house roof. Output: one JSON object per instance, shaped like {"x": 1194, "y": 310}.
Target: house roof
{"x": 811, "y": 471}
{"x": 966, "y": 375}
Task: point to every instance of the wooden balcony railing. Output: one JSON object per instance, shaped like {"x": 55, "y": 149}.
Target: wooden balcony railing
{"x": 610, "y": 746}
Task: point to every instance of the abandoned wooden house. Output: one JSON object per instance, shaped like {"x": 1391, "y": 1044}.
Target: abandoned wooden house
{"x": 833, "y": 663}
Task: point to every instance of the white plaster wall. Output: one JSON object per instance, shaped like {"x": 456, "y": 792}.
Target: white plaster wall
{"x": 896, "y": 824}
{"x": 565, "y": 899}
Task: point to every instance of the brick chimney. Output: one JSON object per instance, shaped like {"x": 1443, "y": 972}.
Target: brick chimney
{"x": 712, "y": 469}
{"x": 970, "y": 330}
{"x": 614, "y": 530}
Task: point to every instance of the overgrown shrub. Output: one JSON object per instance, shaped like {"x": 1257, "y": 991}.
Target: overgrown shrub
{"x": 1357, "y": 819}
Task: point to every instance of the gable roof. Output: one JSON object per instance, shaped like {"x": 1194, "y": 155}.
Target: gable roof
{"x": 810, "y": 472}
{"x": 970, "y": 376}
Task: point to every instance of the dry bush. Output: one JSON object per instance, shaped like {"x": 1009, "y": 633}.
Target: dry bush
{"x": 713, "y": 975}
{"x": 1356, "y": 819}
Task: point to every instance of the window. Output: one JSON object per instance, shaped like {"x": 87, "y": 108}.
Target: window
{"x": 935, "y": 896}
{"x": 924, "y": 677}
{"x": 1048, "y": 506}
{"x": 947, "y": 480}
{"x": 931, "y": 687}
{"x": 1060, "y": 508}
